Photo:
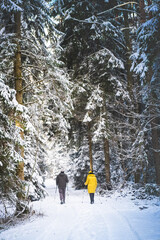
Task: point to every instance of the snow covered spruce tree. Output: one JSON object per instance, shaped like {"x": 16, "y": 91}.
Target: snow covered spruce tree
{"x": 127, "y": 14}
{"x": 11, "y": 185}
{"x": 29, "y": 65}
{"x": 146, "y": 61}
{"x": 94, "y": 53}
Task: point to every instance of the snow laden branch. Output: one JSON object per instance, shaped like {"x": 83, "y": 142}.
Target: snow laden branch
{"x": 118, "y": 6}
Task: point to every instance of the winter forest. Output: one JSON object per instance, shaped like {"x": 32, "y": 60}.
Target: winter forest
{"x": 79, "y": 90}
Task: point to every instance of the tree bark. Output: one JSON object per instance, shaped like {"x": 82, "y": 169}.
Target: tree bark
{"x": 17, "y": 63}
{"x": 155, "y": 132}
{"x": 156, "y": 148}
{"x": 18, "y": 86}
{"x": 107, "y": 161}
{"x": 129, "y": 49}
{"x": 90, "y": 146}
{"x": 106, "y": 147}
{"x": 142, "y": 11}
{"x": 149, "y": 3}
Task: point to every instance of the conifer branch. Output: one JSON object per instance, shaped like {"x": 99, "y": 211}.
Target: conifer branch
{"x": 121, "y": 5}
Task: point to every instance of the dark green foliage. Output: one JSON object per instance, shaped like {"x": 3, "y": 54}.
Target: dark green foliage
{"x": 94, "y": 53}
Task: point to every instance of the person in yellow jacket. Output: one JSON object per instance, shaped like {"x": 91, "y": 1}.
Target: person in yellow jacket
{"x": 91, "y": 183}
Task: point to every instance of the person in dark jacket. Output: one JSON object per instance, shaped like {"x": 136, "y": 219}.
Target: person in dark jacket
{"x": 61, "y": 182}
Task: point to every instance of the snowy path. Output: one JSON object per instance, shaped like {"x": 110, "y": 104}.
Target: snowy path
{"x": 108, "y": 219}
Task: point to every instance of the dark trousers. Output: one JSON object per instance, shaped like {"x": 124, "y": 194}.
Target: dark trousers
{"x": 62, "y": 194}
{"x": 91, "y": 197}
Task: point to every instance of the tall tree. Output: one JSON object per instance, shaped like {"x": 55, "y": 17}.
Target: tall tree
{"x": 94, "y": 55}
{"x": 9, "y": 138}
{"x": 19, "y": 84}
{"x": 29, "y": 65}
{"x": 148, "y": 68}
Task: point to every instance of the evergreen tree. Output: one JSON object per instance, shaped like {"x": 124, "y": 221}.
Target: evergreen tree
{"x": 11, "y": 186}
{"x": 146, "y": 62}
{"x": 94, "y": 52}
{"x": 29, "y": 64}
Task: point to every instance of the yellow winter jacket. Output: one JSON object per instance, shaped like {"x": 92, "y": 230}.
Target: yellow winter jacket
{"x": 91, "y": 182}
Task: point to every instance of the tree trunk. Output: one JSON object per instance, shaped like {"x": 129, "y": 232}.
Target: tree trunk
{"x": 90, "y": 146}
{"x": 17, "y": 63}
{"x": 137, "y": 176}
{"x": 155, "y": 133}
{"x": 107, "y": 161}
{"x": 156, "y": 148}
{"x": 149, "y": 3}
{"x": 106, "y": 147}
{"x": 138, "y": 173}
{"x": 142, "y": 11}
{"x": 18, "y": 86}
{"x": 155, "y": 122}
{"x": 128, "y": 54}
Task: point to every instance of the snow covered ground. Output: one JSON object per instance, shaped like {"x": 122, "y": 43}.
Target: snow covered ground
{"x": 110, "y": 218}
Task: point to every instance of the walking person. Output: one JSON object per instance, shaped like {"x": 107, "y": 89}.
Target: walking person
{"x": 61, "y": 182}
{"x": 91, "y": 183}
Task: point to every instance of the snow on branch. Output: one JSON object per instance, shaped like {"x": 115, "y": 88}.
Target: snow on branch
{"x": 121, "y": 5}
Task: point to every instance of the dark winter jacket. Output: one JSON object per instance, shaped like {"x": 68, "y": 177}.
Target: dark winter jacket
{"x": 61, "y": 180}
